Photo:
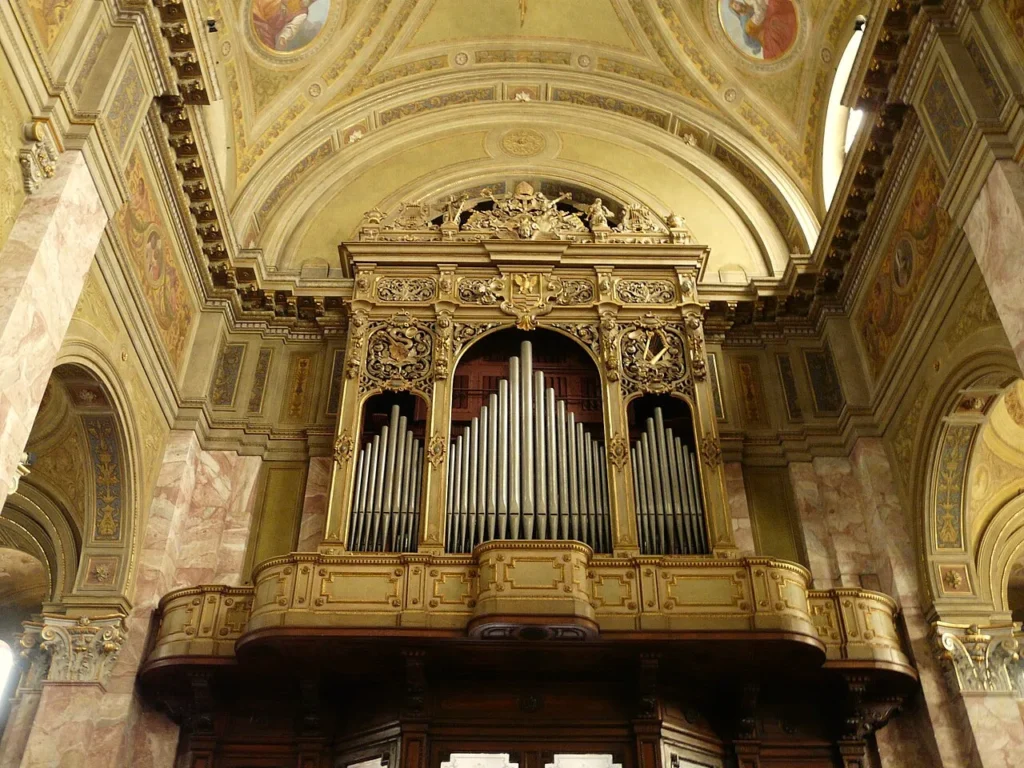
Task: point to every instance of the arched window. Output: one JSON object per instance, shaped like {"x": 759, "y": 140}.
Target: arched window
{"x": 841, "y": 122}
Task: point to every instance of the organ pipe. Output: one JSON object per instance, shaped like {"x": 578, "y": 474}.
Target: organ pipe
{"x": 666, "y": 479}
{"x": 525, "y": 469}
{"x": 385, "y": 505}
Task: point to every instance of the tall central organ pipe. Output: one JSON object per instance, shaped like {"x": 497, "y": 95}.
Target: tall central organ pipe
{"x": 524, "y": 469}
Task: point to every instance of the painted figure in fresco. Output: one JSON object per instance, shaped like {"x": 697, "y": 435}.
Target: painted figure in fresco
{"x": 769, "y": 27}
{"x": 288, "y": 25}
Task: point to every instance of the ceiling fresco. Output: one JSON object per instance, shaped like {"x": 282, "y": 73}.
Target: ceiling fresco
{"x": 307, "y": 81}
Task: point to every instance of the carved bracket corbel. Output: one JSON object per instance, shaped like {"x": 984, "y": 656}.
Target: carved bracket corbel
{"x": 39, "y": 159}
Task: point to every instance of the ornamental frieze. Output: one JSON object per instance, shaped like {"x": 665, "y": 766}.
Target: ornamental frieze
{"x": 645, "y": 291}
{"x": 525, "y": 295}
{"x": 406, "y": 289}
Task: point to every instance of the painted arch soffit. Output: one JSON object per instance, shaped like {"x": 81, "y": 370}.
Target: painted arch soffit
{"x": 326, "y": 202}
{"x": 760, "y": 66}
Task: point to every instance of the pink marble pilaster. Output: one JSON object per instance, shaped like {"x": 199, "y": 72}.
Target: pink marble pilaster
{"x": 995, "y": 229}
{"x": 888, "y": 527}
{"x": 314, "y": 503}
{"x": 18, "y": 728}
{"x": 998, "y": 730}
{"x": 739, "y": 510}
{"x": 842, "y": 504}
{"x": 42, "y": 270}
{"x": 817, "y": 542}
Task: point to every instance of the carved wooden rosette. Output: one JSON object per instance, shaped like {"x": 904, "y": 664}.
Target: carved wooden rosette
{"x": 409, "y": 324}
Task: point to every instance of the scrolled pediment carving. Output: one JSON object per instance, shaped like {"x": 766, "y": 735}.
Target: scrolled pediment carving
{"x": 525, "y": 214}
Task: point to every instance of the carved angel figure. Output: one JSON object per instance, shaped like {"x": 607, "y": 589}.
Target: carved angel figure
{"x": 598, "y": 215}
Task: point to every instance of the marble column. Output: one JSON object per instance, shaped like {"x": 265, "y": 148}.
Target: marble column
{"x": 42, "y": 269}
{"x": 995, "y": 229}
{"x": 314, "y": 503}
{"x": 195, "y": 533}
{"x": 739, "y": 509}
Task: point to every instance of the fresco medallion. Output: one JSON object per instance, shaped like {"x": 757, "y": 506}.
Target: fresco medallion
{"x": 763, "y": 30}
{"x": 288, "y": 26}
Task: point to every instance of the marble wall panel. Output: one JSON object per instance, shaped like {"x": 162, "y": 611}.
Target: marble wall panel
{"x": 995, "y": 229}
{"x": 314, "y": 503}
{"x": 42, "y": 270}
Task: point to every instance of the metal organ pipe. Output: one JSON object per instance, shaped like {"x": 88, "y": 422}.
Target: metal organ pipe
{"x": 669, "y": 506}
{"x": 525, "y": 469}
{"x": 385, "y": 503}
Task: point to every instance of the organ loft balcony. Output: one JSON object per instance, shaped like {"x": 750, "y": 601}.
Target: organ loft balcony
{"x": 527, "y": 465}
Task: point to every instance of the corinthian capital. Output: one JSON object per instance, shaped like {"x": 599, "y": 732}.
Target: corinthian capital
{"x": 80, "y": 650}
{"x": 980, "y": 659}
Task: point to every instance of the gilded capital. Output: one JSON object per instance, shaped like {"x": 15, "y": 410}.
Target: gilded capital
{"x": 980, "y": 659}
{"x": 80, "y": 650}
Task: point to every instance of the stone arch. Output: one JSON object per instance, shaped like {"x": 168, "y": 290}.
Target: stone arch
{"x": 84, "y": 453}
{"x": 952, "y": 537}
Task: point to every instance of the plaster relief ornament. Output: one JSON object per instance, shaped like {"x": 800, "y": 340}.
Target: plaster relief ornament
{"x": 764, "y": 30}
{"x": 286, "y": 26}
{"x": 526, "y": 214}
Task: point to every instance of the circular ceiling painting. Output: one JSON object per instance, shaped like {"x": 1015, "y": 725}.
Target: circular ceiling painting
{"x": 286, "y": 26}
{"x": 761, "y": 29}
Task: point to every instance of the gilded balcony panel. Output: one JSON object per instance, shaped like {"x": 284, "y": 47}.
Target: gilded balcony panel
{"x": 201, "y": 621}
{"x": 857, "y": 625}
{"x": 540, "y": 590}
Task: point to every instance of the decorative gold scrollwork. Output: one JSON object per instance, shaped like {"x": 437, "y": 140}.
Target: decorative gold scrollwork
{"x": 399, "y": 355}
{"x": 693, "y": 322}
{"x": 710, "y": 452}
{"x": 358, "y": 325}
{"x": 481, "y": 290}
{"x": 645, "y": 291}
{"x": 609, "y": 340}
{"x": 653, "y": 356}
{"x": 588, "y": 333}
{"x": 406, "y": 289}
{"x": 344, "y": 447}
{"x": 574, "y": 292}
{"x": 618, "y": 451}
{"x": 436, "y": 450}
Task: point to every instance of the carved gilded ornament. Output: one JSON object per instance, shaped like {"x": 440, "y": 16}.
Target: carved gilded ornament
{"x": 609, "y": 338}
{"x": 980, "y": 660}
{"x": 406, "y": 289}
{"x": 358, "y": 325}
{"x": 82, "y": 650}
{"x": 645, "y": 291}
{"x": 652, "y": 356}
{"x": 436, "y": 450}
{"x": 525, "y": 214}
{"x": 588, "y": 333}
{"x": 443, "y": 345}
{"x": 526, "y": 295}
{"x": 399, "y": 355}
{"x": 618, "y": 452}
{"x": 693, "y": 322}
{"x": 39, "y": 159}
{"x": 344, "y": 447}
{"x": 710, "y": 452}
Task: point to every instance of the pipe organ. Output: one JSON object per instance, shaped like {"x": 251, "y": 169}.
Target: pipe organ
{"x": 667, "y": 492}
{"x": 386, "y": 503}
{"x": 525, "y": 469}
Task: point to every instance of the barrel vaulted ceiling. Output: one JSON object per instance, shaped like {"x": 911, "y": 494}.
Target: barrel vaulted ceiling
{"x": 666, "y": 102}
